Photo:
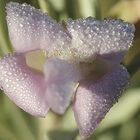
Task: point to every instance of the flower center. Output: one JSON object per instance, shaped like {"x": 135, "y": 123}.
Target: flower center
{"x": 36, "y": 60}
{"x": 89, "y": 70}
{"x": 96, "y": 69}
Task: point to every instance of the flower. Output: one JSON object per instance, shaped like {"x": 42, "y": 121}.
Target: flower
{"x": 74, "y": 53}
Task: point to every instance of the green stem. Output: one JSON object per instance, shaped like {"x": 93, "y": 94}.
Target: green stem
{"x": 5, "y": 45}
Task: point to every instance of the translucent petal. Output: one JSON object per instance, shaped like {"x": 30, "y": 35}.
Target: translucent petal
{"x": 94, "y": 99}
{"x": 31, "y": 29}
{"x": 61, "y": 78}
{"x": 109, "y": 38}
{"x": 25, "y": 88}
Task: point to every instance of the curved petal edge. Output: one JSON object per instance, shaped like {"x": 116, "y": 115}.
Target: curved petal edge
{"x": 30, "y": 29}
{"x": 61, "y": 78}
{"x": 109, "y": 38}
{"x": 24, "y": 87}
{"x": 94, "y": 99}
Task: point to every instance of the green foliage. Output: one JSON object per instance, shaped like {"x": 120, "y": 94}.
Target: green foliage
{"x": 123, "y": 120}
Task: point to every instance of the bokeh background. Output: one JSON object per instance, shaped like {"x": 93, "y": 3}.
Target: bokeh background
{"x": 123, "y": 120}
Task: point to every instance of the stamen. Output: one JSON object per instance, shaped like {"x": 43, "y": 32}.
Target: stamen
{"x": 75, "y": 90}
{"x": 45, "y": 53}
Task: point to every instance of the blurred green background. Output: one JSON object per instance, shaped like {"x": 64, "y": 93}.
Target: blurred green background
{"x": 123, "y": 120}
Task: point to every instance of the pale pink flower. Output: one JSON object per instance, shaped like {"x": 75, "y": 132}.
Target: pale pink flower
{"x": 69, "y": 74}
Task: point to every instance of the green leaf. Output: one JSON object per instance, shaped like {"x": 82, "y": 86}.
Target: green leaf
{"x": 17, "y": 121}
{"x": 127, "y": 10}
{"x": 72, "y": 8}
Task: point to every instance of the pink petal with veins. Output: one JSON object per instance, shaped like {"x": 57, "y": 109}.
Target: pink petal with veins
{"x": 94, "y": 99}
{"x": 61, "y": 78}
{"x": 25, "y": 88}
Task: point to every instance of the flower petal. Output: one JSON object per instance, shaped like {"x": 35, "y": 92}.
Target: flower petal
{"x": 31, "y": 29}
{"x": 93, "y": 100}
{"x": 23, "y": 86}
{"x": 62, "y": 78}
{"x": 109, "y": 38}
